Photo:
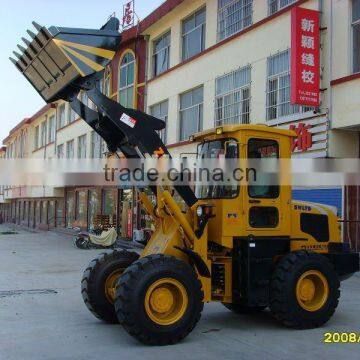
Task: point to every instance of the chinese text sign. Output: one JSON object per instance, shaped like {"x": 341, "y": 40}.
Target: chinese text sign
{"x": 305, "y": 57}
{"x": 128, "y": 15}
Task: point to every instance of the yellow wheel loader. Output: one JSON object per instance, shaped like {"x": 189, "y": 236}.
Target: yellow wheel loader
{"x": 246, "y": 247}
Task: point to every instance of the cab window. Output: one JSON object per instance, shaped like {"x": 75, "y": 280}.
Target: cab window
{"x": 262, "y": 149}
{"x": 217, "y": 149}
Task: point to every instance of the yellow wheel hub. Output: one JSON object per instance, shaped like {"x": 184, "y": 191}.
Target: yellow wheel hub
{"x": 312, "y": 290}
{"x": 110, "y": 284}
{"x": 166, "y": 301}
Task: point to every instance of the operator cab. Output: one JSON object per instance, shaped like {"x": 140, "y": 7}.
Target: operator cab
{"x": 243, "y": 208}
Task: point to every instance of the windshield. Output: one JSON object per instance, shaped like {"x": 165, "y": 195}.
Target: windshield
{"x": 217, "y": 149}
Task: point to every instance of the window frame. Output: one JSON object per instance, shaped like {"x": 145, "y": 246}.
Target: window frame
{"x": 72, "y": 142}
{"x": 60, "y": 125}
{"x": 43, "y": 133}
{"x": 93, "y": 154}
{"x": 60, "y": 146}
{"x": 278, "y": 189}
{"x": 278, "y": 6}
{"x": 51, "y": 129}
{"x": 225, "y": 8}
{"x": 72, "y": 115}
{"x": 134, "y": 61}
{"x": 353, "y": 25}
{"x": 241, "y": 103}
{"x": 36, "y": 140}
{"x": 156, "y": 53}
{"x": 294, "y": 110}
{"x": 162, "y": 133}
{"x": 203, "y": 33}
{"x": 198, "y": 106}
{"x": 107, "y": 82}
{"x": 79, "y": 148}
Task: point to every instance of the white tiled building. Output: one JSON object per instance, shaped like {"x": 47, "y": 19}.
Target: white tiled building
{"x": 228, "y": 61}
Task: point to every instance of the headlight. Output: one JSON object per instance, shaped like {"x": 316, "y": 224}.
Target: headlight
{"x": 199, "y": 211}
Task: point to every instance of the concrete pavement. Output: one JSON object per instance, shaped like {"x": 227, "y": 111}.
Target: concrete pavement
{"x": 42, "y": 315}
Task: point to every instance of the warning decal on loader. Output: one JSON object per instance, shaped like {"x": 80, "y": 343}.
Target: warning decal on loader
{"x": 126, "y": 119}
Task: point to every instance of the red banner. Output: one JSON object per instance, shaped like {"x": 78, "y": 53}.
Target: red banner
{"x": 128, "y": 14}
{"x": 305, "y": 57}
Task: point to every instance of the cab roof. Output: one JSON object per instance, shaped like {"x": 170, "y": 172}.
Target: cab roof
{"x": 243, "y": 127}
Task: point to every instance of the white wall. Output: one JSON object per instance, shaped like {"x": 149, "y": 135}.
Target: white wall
{"x": 253, "y": 47}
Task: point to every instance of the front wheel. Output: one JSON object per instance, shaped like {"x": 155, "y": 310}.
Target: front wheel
{"x": 99, "y": 281}
{"x": 159, "y": 300}
{"x": 304, "y": 290}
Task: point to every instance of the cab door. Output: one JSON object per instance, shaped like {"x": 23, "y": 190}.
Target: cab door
{"x": 266, "y": 206}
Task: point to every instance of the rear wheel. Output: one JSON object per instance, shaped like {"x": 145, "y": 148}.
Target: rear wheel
{"x": 242, "y": 309}
{"x": 304, "y": 290}
{"x": 159, "y": 300}
{"x": 99, "y": 282}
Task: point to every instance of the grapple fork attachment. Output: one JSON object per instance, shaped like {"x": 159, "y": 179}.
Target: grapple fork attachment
{"x": 61, "y": 62}
{"x": 56, "y": 57}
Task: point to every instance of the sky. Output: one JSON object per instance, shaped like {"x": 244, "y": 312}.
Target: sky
{"x": 18, "y": 99}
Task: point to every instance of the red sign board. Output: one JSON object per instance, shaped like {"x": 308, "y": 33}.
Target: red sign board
{"x": 129, "y": 223}
{"x": 128, "y": 14}
{"x": 303, "y": 141}
{"x": 305, "y": 57}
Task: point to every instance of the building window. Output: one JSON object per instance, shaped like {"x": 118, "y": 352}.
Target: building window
{"x": 160, "y": 111}
{"x": 22, "y": 144}
{"x": 233, "y": 16}
{"x": 36, "y": 141}
{"x": 43, "y": 134}
{"x": 110, "y": 203}
{"x": 107, "y": 83}
{"x": 191, "y": 112}
{"x": 60, "y": 151}
{"x": 278, "y": 88}
{"x": 70, "y": 208}
{"x": 44, "y": 212}
{"x": 94, "y": 207}
{"x": 161, "y": 54}
{"x": 51, "y": 129}
{"x": 70, "y": 149}
{"x": 82, "y": 147}
{"x": 193, "y": 34}
{"x": 276, "y": 5}
{"x": 127, "y": 80}
{"x": 356, "y": 35}
{"x": 81, "y": 208}
{"x": 97, "y": 146}
{"x": 232, "y": 100}
{"x": 61, "y": 116}
{"x": 72, "y": 115}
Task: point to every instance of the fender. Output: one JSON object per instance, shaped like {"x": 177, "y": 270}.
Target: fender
{"x": 201, "y": 267}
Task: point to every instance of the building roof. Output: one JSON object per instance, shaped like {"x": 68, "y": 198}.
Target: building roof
{"x": 29, "y": 120}
{"x": 158, "y": 13}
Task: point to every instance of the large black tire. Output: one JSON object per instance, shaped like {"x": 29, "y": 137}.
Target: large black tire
{"x": 95, "y": 277}
{"x": 242, "y": 309}
{"x": 135, "y": 285}
{"x": 284, "y": 302}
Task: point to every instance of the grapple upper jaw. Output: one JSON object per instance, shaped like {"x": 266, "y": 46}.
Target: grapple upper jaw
{"x": 56, "y": 57}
